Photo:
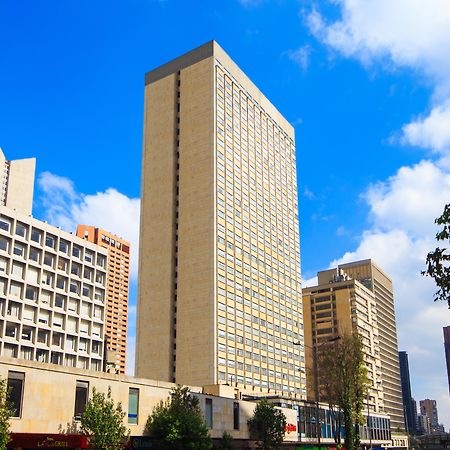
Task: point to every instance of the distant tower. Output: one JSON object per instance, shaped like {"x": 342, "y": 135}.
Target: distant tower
{"x": 17, "y": 183}
{"x": 408, "y": 401}
{"x": 447, "y": 352}
{"x": 374, "y": 279}
{"x": 116, "y": 320}
{"x": 337, "y": 305}
{"x": 429, "y": 408}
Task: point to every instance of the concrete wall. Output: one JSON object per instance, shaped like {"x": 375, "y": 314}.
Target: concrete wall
{"x": 21, "y": 185}
{"x": 154, "y": 328}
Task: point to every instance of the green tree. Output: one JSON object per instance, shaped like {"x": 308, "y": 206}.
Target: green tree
{"x": 178, "y": 423}
{"x": 5, "y": 414}
{"x": 103, "y": 422}
{"x": 267, "y": 425}
{"x": 343, "y": 382}
{"x": 438, "y": 261}
{"x": 226, "y": 443}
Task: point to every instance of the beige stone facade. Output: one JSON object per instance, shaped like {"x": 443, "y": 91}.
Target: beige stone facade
{"x": 116, "y": 317}
{"x": 17, "y": 183}
{"x": 219, "y": 289}
{"x": 49, "y": 397}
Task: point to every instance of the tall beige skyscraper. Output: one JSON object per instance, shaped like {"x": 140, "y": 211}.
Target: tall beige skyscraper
{"x": 219, "y": 291}
{"x": 374, "y": 279}
{"x": 17, "y": 183}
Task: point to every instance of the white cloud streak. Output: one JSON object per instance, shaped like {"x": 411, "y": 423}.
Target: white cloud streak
{"x": 300, "y": 56}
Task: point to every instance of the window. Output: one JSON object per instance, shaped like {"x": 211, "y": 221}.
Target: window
{"x": 15, "y": 386}
{"x": 41, "y": 355}
{"x": 17, "y": 269}
{"x": 13, "y": 309}
{"x": 48, "y": 259}
{"x": 61, "y": 282}
{"x": 36, "y": 235}
{"x": 236, "y": 415}
{"x": 63, "y": 246}
{"x": 81, "y": 398}
{"x": 101, "y": 261}
{"x": 76, "y": 251}
{"x": 209, "y": 412}
{"x": 100, "y": 278}
{"x": 76, "y": 269}
{"x": 35, "y": 254}
{"x": 43, "y": 336}
{"x": 83, "y": 345}
{"x": 95, "y": 347}
{"x": 133, "y": 405}
{"x": 31, "y": 293}
{"x": 88, "y": 256}
{"x": 15, "y": 289}
{"x": 19, "y": 249}
{"x": 75, "y": 287}
{"x": 60, "y": 301}
{"x": 63, "y": 264}
{"x": 4, "y": 224}
{"x": 50, "y": 241}
{"x": 21, "y": 230}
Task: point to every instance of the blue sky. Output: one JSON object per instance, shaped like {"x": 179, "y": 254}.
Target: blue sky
{"x": 366, "y": 85}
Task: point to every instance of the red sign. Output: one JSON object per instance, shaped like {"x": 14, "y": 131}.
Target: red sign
{"x": 42, "y": 440}
{"x": 290, "y": 427}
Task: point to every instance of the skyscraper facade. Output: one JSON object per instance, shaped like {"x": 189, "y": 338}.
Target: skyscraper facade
{"x": 116, "y": 318}
{"x": 341, "y": 305}
{"x": 219, "y": 292}
{"x": 17, "y": 183}
{"x": 373, "y": 278}
{"x": 408, "y": 401}
{"x": 446, "y": 331}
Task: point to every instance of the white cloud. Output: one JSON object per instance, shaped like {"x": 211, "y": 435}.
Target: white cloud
{"x": 418, "y": 192}
{"x": 402, "y": 213}
{"x": 300, "y": 56}
{"x": 63, "y": 206}
{"x": 411, "y": 34}
{"x": 432, "y": 131}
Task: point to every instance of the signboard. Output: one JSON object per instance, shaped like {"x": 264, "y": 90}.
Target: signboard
{"x": 290, "y": 427}
{"x": 43, "y": 440}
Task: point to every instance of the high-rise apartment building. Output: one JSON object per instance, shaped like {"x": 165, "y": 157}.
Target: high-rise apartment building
{"x": 340, "y": 305}
{"x": 116, "y": 318}
{"x": 17, "y": 183}
{"x": 52, "y": 294}
{"x": 371, "y": 276}
{"x": 429, "y": 408}
{"x": 408, "y": 401}
{"x": 219, "y": 291}
{"x": 446, "y": 331}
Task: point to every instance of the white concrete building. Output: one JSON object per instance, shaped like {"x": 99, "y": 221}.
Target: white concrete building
{"x": 52, "y": 294}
